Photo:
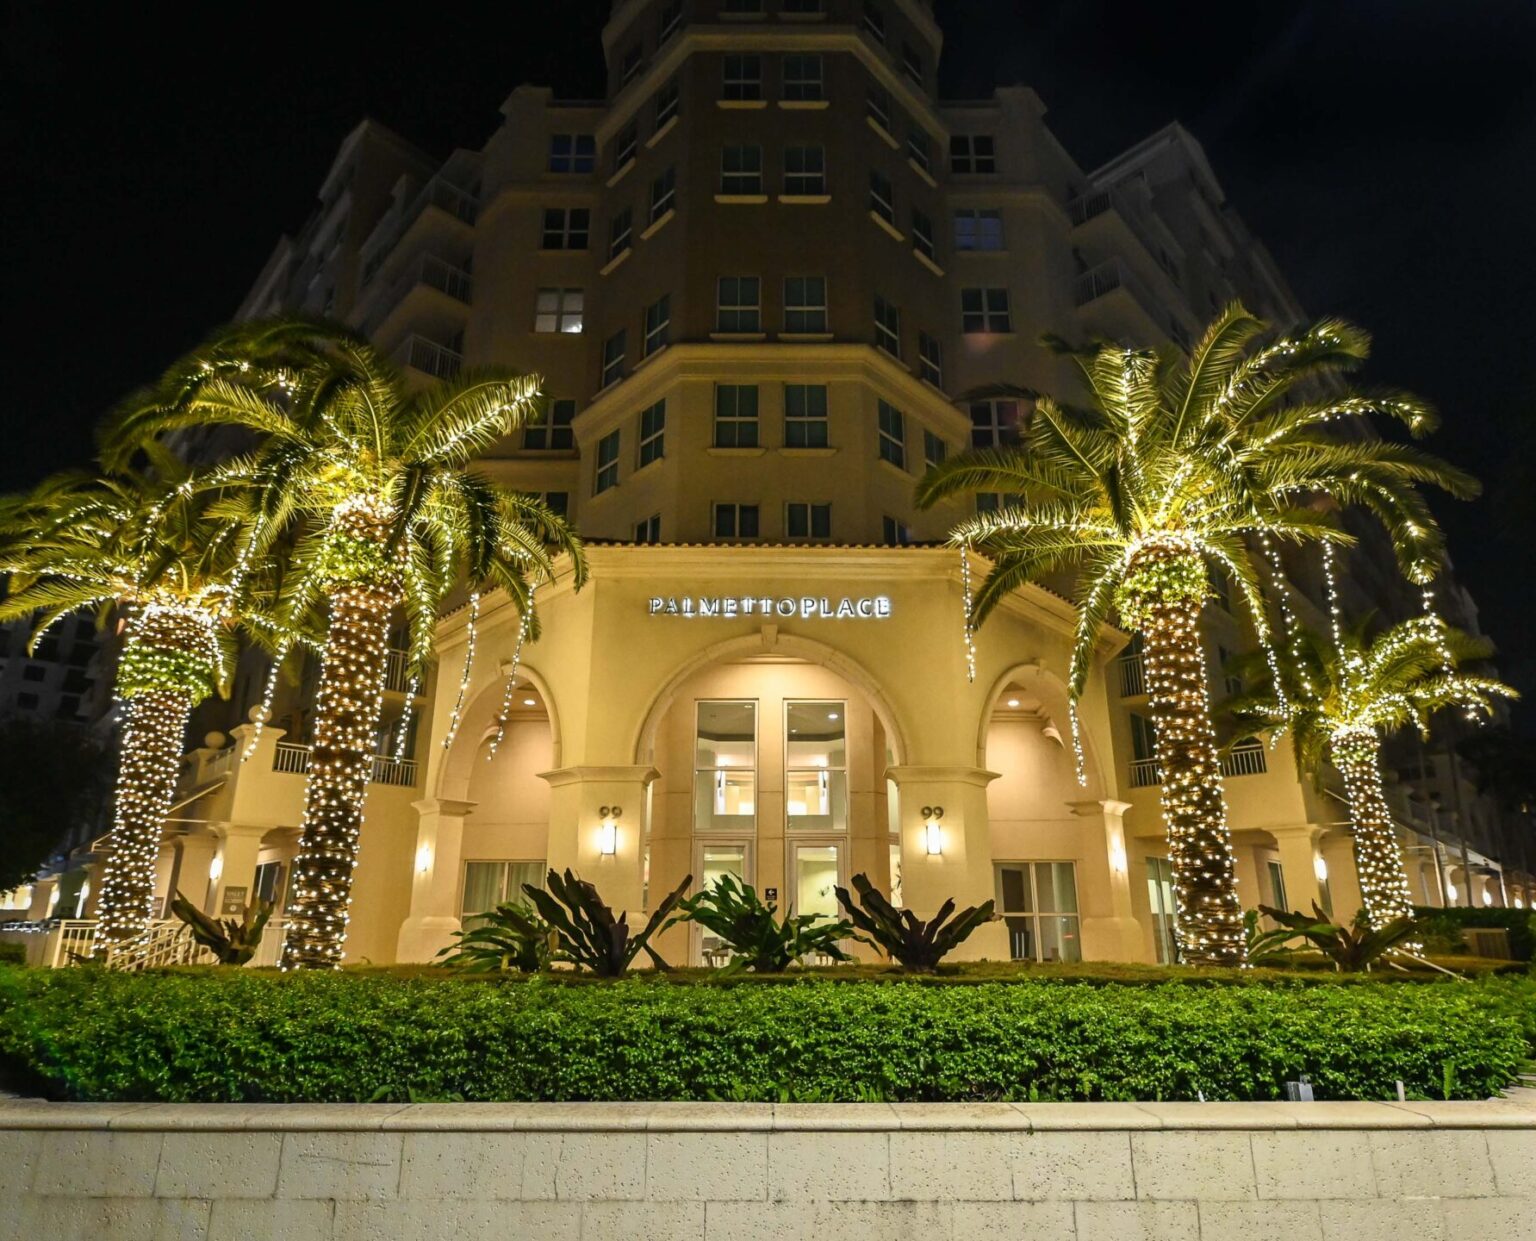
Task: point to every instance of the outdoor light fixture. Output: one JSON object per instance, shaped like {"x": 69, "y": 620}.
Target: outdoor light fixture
{"x": 1487, "y": 898}
{"x": 423, "y": 859}
{"x": 216, "y": 868}
{"x": 933, "y": 834}
{"x": 1450, "y": 891}
{"x": 608, "y": 832}
{"x": 1013, "y": 702}
{"x": 1320, "y": 868}
{"x": 1117, "y": 858}
{"x": 530, "y": 702}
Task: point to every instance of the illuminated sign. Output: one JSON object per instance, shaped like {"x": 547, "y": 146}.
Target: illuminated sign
{"x": 806, "y": 607}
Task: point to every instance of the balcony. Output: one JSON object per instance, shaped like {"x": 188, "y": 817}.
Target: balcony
{"x": 1244, "y": 759}
{"x": 1136, "y": 217}
{"x": 1104, "y": 278}
{"x": 397, "y": 673}
{"x": 293, "y": 759}
{"x": 429, "y": 357}
{"x": 1144, "y": 773}
{"x": 1132, "y": 676}
{"x": 428, "y": 271}
{"x": 439, "y": 195}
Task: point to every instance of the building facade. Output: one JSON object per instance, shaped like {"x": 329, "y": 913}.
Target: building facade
{"x": 758, "y": 278}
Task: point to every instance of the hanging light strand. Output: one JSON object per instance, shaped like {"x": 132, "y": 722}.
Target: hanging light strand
{"x": 268, "y": 693}
{"x": 471, "y": 634}
{"x": 968, "y": 618}
{"x": 506, "y": 695}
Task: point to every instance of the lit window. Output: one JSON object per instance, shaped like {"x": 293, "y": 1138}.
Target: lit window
{"x": 888, "y": 327}
{"x": 877, "y": 106}
{"x": 807, "y": 521}
{"x": 653, "y": 427}
{"x": 984, "y": 310}
{"x": 631, "y": 65}
{"x": 736, "y": 416}
{"x": 736, "y": 521}
{"x": 663, "y": 194}
{"x": 607, "y": 475}
{"x": 893, "y": 533}
{"x": 658, "y": 324}
{"x": 551, "y": 428}
{"x": 922, "y": 234}
{"x": 613, "y": 358}
{"x": 666, "y": 103}
{"x": 725, "y": 758}
{"x": 649, "y": 530}
{"x": 893, "y": 435}
{"x": 874, "y": 20}
{"x": 805, "y": 415}
{"x": 1038, "y": 901}
{"x": 930, "y": 359}
{"x": 805, "y": 304}
{"x": 572, "y": 152}
{"x": 816, "y": 770}
{"x": 743, "y": 78}
{"x": 912, "y": 63}
{"x": 802, "y": 77}
{"x": 971, "y": 153}
{"x": 805, "y": 171}
{"x": 978, "y": 230}
{"x": 934, "y": 450}
{"x": 918, "y": 150}
{"x": 737, "y": 307}
{"x": 994, "y": 423}
{"x": 558, "y": 310}
{"x": 626, "y": 145}
{"x": 671, "y": 20}
{"x": 882, "y": 200}
{"x": 620, "y": 233}
{"x": 741, "y": 170}
{"x": 566, "y": 228}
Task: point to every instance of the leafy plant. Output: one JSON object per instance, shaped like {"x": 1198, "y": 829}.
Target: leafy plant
{"x": 233, "y": 943}
{"x": 758, "y": 939}
{"x": 1265, "y": 945}
{"x": 589, "y": 934}
{"x": 510, "y": 937}
{"x": 904, "y": 937}
{"x": 1352, "y": 948}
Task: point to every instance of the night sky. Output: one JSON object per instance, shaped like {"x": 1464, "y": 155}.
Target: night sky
{"x": 1384, "y": 150}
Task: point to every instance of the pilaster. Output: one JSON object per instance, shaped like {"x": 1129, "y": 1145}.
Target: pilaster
{"x": 439, "y": 858}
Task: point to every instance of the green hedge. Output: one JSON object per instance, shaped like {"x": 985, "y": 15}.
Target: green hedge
{"x": 232, "y": 1035}
{"x": 1443, "y": 926}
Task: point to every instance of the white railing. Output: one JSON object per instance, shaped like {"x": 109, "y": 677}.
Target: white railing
{"x": 1087, "y": 206}
{"x": 294, "y": 759}
{"x": 430, "y": 357}
{"x": 291, "y": 758}
{"x": 427, "y": 270}
{"x": 1244, "y": 759}
{"x": 74, "y": 938}
{"x": 220, "y": 763}
{"x": 1133, "y": 676}
{"x": 397, "y": 672}
{"x": 1107, "y": 277}
{"x": 1144, "y": 773}
{"x": 170, "y": 942}
{"x": 438, "y": 192}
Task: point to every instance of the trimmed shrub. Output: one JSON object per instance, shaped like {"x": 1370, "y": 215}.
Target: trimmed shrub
{"x": 1442, "y": 927}
{"x": 244, "y": 1035}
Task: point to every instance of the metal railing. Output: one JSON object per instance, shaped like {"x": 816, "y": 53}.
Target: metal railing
{"x": 290, "y": 758}
{"x": 1144, "y": 773}
{"x": 294, "y": 759}
{"x": 1133, "y": 676}
{"x": 1088, "y": 206}
{"x": 427, "y": 270}
{"x": 170, "y": 942}
{"x": 438, "y": 192}
{"x": 397, "y": 672}
{"x": 1244, "y": 759}
{"x": 430, "y": 357}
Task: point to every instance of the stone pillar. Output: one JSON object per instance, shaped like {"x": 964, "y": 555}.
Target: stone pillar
{"x": 1298, "y": 849}
{"x": 93, "y": 877}
{"x": 1105, "y": 913}
{"x": 44, "y": 889}
{"x": 1338, "y": 850}
{"x": 962, "y": 870}
{"x": 239, "y": 845}
{"x": 435, "y": 868}
{"x": 578, "y": 796}
{"x": 192, "y": 879}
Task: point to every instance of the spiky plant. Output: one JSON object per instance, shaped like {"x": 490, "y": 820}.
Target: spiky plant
{"x": 1177, "y": 464}
{"x": 1341, "y": 696}
{"x": 365, "y": 479}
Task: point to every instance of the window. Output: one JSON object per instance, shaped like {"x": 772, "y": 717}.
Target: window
{"x": 631, "y": 65}
{"x": 737, "y": 307}
{"x": 1277, "y": 897}
{"x": 607, "y": 463}
{"x": 918, "y": 150}
{"x": 736, "y": 416}
{"x": 649, "y": 530}
{"x": 1230, "y": 681}
{"x": 807, "y": 521}
{"x": 912, "y": 63}
{"x": 671, "y": 20}
{"x": 887, "y": 327}
{"x": 27, "y": 702}
{"x": 816, "y": 765}
{"x": 620, "y": 233}
{"x": 1160, "y": 901}
{"x": 1143, "y": 752}
{"x": 817, "y": 873}
{"x": 551, "y": 428}
{"x": 663, "y": 194}
{"x": 572, "y": 152}
{"x": 978, "y": 230}
{"x": 882, "y": 201}
{"x": 666, "y": 103}
{"x": 874, "y": 20}
{"x": 735, "y": 521}
{"x": 749, "y": 7}
{"x": 566, "y": 228}
{"x": 558, "y": 502}
{"x": 930, "y": 359}
{"x": 805, "y": 416}
{"x": 34, "y": 672}
{"x": 801, "y": 6}
{"x": 893, "y": 435}
{"x": 268, "y": 885}
{"x": 658, "y": 324}
{"x": 653, "y": 427}
{"x": 557, "y": 310}
{"x": 922, "y": 234}
{"x": 971, "y": 153}
{"x": 805, "y": 304}
{"x": 613, "y": 358}
{"x": 984, "y": 310}
{"x": 802, "y": 77}
{"x": 1038, "y": 901}
{"x": 741, "y": 170}
{"x": 488, "y": 884}
{"x": 992, "y": 501}
{"x": 877, "y": 106}
{"x": 725, "y": 763}
{"x": 934, "y": 449}
{"x": 994, "y": 423}
{"x": 743, "y": 78}
{"x": 805, "y": 171}
{"x": 893, "y": 533}
{"x": 626, "y": 145}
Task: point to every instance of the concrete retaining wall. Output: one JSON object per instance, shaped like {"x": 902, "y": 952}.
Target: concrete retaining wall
{"x": 1084, "y": 1172}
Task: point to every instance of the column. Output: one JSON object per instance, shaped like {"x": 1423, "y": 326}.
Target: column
{"x": 239, "y": 844}
{"x": 1338, "y": 851}
{"x": 961, "y": 869}
{"x": 43, "y": 891}
{"x": 1107, "y": 918}
{"x": 580, "y": 835}
{"x": 194, "y": 878}
{"x": 439, "y": 858}
{"x": 1299, "y": 858}
{"x": 93, "y": 877}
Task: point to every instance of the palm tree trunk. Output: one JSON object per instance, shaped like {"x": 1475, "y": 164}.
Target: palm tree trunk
{"x": 340, "y": 767}
{"x": 1209, "y": 921}
{"x": 1378, "y": 855}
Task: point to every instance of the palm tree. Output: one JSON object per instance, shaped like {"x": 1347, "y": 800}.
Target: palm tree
{"x": 150, "y": 550}
{"x": 1341, "y": 696}
{"x": 367, "y": 481}
{"x": 1177, "y": 465}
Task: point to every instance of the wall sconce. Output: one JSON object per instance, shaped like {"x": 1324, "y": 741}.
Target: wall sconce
{"x": 1117, "y": 858}
{"x": 933, "y": 834}
{"x": 424, "y": 859}
{"x": 1450, "y": 890}
{"x": 216, "y": 868}
{"x": 608, "y": 832}
{"x": 1320, "y": 868}
{"x": 1487, "y": 898}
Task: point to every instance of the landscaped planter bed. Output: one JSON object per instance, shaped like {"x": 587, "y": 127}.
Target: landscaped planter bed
{"x": 244, "y": 1035}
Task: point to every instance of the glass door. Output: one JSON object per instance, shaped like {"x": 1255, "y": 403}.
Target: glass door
{"x": 712, "y": 859}
{"x": 815, "y": 871}
{"x": 1160, "y": 900}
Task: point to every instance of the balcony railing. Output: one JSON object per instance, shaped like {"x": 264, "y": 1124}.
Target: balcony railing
{"x": 169, "y": 943}
{"x": 1088, "y": 206}
{"x": 397, "y": 672}
{"x": 1133, "y": 676}
{"x": 430, "y": 358}
{"x": 1244, "y": 759}
{"x": 1144, "y": 773}
{"x": 428, "y": 270}
{"x": 294, "y": 760}
{"x": 438, "y": 192}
